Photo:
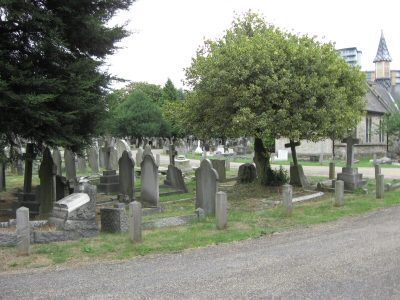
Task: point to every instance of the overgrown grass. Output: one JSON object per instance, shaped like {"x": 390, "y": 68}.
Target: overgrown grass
{"x": 247, "y": 218}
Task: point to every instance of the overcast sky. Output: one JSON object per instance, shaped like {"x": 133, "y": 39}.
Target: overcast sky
{"x": 168, "y": 32}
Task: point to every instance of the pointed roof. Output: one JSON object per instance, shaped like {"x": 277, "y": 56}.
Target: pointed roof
{"x": 383, "y": 53}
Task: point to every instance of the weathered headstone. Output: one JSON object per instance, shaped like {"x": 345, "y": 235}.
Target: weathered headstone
{"x": 114, "y": 159}
{"x": 247, "y": 173}
{"x": 219, "y": 166}
{"x": 127, "y": 175}
{"x": 47, "y": 174}
{"x": 150, "y": 186}
{"x": 287, "y": 194}
{"x": 175, "y": 179}
{"x": 206, "y": 187}
{"x": 377, "y": 170}
{"x": 339, "y": 193}
{"x": 82, "y": 167}
{"x": 70, "y": 167}
{"x": 23, "y": 231}
{"x": 114, "y": 219}
{"x": 93, "y": 156}
{"x": 57, "y": 159}
{"x": 121, "y": 146}
{"x": 221, "y": 210}
{"x": 228, "y": 163}
{"x": 352, "y": 180}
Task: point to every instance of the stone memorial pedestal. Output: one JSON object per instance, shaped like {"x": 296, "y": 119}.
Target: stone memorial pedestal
{"x": 109, "y": 182}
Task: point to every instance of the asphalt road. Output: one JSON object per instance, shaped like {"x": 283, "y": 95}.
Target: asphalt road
{"x": 355, "y": 258}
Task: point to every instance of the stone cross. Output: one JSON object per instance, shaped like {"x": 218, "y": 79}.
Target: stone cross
{"x": 172, "y": 154}
{"x": 29, "y": 157}
{"x": 350, "y": 142}
{"x": 292, "y": 145}
{"x": 108, "y": 158}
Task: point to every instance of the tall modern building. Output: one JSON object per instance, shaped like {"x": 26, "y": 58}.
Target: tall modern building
{"x": 352, "y": 55}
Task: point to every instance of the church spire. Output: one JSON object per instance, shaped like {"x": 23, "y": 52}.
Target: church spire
{"x": 383, "y": 53}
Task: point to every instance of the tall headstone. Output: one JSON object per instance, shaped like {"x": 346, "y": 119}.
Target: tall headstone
{"x": 70, "y": 165}
{"x": 114, "y": 159}
{"x": 57, "y": 159}
{"x": 93, "y": 155}
{"x": 350, "y": 176}
{"x": 47, "y": 173}
{"x": 219, "y": 166}
{"x": 127, "y": 175}
{"x": 331, "y": 170}
{"x": 206, "y": 187}
{"x": 82, "y": 167}
{"x": 2, "y": 177}
{"x": 149, "y": 191}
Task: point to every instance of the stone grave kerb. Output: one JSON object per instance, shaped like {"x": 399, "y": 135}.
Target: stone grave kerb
{"x": 172, "y": 154}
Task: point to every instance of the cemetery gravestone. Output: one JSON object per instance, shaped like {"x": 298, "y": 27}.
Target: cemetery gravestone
{"x": 172, "y": 154}
{"x": 206, "y": 187}
{"x": 82, "y": 167}
{"x": 23, "y": 231}
{"x": 94, "y": 160}
{"x": 139, "y": 157}
{"x": 47, "y": 173}
{"x": 122, "y": 145}
{"x": 297, "y": 176}
{"x": 219, "y": 166}
{"x": 114, "y": 219}
{"x": 175, "y": 179}
{"x": 127, "y": 175}
{"x": 70, "y": 168}
{"x": 57, "y": 159}
{"x": 352, "y": 180}
{"x": 150, "y": 187}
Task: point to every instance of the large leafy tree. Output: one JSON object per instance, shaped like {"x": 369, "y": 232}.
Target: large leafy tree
{"x": 169, "y": 92}
{"x": 153, "y": 91}
{"x": 138, "y": 117}
{"x": 52, "y": 84}
{"x": 262, "y": 81}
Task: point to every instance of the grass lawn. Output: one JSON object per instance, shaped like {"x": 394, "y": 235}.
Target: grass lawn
{"x": 249, "y": 216}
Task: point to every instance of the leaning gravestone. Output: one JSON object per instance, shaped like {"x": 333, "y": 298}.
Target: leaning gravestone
{"x": 150, "y": 187}
{"x": 175, "y": 179}
{"x": 352, "y": 180}
{"x": 206, "y": 187}
{"x": 127, "y": 175}
{"x": 47, "y": 173}
{"x": 297, "y": 176}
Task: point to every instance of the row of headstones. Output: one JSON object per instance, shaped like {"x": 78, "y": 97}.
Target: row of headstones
{"x": 287, "y": 194}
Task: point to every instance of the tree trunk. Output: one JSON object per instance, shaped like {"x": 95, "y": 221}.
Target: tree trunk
{"x": 294, "y": 155}
{"x": 261, "y": 159}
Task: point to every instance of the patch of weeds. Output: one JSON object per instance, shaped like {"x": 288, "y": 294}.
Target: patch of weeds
{"x": 88, "y": 249}
{"x": 14, "y": 264}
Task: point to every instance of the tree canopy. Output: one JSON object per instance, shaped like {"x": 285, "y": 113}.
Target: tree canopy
{"x": 52, "y": 85}
{"x": 138, "y": 117}
{"x": 260, "y": 80}
{"x": 169, "y": 92}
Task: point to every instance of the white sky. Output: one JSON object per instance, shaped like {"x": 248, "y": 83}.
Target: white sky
{"x": 170, "y": 31}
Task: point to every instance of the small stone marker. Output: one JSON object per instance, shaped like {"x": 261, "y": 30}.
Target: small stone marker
{"x": 287, "y": 200}
{"x": 158, "y": 159}
{"x": 339, "y": 193}
{"x": 221, "y": 210}
{"x": 380, "y": 188}
{"x": 321, "y": 159}
{"x": 377, "y": 170}
{"x": 228, "y": 163}
{"x": 331, "y": 170}
{"x": 135, "y": 222}
{"x": 23, "y": 232}
{"x": 374, "y": 159}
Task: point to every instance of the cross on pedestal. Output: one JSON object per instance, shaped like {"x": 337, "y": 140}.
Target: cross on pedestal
{"x": 29, "y": 157}
{"x": 172, "y": 154}
{"x": 292, "y": 145}
{"x": 350, "y": 142}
